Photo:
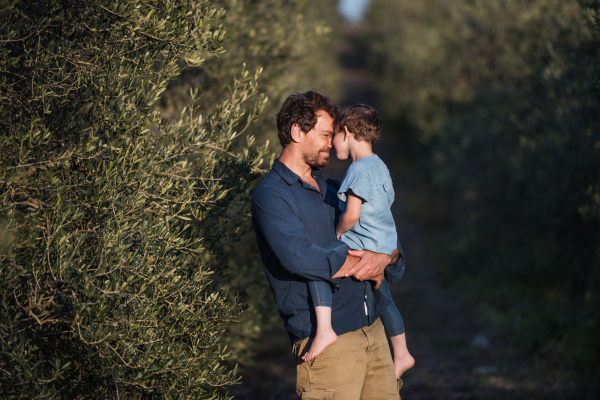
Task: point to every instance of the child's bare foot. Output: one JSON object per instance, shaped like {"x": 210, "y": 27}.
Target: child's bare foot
{"x": 402, "y": 358}
{"x": 323, "y": 338}
{"x": 401, "y": 364}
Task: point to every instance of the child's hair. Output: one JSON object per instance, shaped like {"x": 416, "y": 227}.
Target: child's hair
{"x": 361, "y": 120}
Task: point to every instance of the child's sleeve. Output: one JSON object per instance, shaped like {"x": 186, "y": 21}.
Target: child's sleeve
{"x": 358, "y": 180}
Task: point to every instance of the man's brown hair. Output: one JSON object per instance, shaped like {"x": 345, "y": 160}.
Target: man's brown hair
{"x": 361, "y": 120}
{"x": 300, "y": 108}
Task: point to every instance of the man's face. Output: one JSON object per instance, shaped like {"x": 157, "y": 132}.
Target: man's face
{"x": 317, "y": 144}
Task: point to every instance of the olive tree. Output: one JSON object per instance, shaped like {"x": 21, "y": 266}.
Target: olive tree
{"x": 113, "y": 220}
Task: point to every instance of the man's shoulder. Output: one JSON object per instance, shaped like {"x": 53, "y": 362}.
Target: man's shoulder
{"x": 333, "y": 184}
{"x": 272, "y": 186}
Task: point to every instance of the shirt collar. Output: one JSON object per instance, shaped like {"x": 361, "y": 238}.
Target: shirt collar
{"x": 288, "y": 175}
{"x": 317, "y": 172}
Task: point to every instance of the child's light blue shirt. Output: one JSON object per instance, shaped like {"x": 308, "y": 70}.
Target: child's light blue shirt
{"x": 375, "y": 229}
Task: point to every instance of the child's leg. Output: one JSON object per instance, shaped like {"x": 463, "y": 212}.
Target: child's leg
{"x": 394, "y": 327}
{"x": 325, "y": 336}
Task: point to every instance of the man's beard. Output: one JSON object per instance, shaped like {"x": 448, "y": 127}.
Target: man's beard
{"x": 315, "y": 160}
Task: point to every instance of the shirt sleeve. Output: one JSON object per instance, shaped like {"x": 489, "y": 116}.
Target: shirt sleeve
{"x": 284, "y": 232}
{"x": 331, "y": 197}
{"x": 358, "y": 180}
{"x": 394, "y": 273}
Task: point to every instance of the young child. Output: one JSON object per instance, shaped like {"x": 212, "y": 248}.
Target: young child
{"x": 366, "y": 223}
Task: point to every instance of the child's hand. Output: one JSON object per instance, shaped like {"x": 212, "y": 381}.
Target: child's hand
{"x": 338, "y": 236}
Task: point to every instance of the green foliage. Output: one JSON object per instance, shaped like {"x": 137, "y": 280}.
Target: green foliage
{"x": 113, "y": 221}
{"x": 505, "y": 94}
{"x": 292, "y": 40}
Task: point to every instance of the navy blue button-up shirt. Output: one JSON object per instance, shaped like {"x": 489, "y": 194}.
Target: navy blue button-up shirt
{"x": 295, "y": 231}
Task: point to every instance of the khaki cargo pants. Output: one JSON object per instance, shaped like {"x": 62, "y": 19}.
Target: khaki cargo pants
{"x": 358, "y": 366}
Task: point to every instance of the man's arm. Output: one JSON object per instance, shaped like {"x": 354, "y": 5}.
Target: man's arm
{"x": 371, "y": 266}
{"x": 284, "y": 232}
{"x": 395, "y": 271}
{"x": 350, "y": 262}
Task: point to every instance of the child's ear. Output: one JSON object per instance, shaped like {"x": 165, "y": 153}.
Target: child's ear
{"x": 346, "y": 133}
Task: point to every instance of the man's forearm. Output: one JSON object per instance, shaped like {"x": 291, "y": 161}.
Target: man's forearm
{"x": 395, "y": 256}
{"x": 350, "y": 262}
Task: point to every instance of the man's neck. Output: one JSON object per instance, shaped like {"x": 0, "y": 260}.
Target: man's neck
{"x": 296, "y": 164}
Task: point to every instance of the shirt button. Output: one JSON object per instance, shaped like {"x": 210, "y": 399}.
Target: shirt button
{"x": 365, "y": 296}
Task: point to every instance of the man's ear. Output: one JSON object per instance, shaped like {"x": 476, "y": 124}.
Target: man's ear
{"x": 297, "y": 133}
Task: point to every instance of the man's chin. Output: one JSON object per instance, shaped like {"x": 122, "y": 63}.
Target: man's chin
{"x": 322, "y": 163}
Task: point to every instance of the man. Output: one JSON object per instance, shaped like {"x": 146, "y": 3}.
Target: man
{"x": 294, "y": 212}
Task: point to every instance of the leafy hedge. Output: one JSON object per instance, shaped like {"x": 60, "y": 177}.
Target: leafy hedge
{"x": 113, "y": 220}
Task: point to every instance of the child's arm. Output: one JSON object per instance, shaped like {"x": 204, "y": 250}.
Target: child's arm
{"x": 350, "y": 216}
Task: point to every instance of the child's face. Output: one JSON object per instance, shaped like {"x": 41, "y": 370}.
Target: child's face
{"x": 341, "y": 144}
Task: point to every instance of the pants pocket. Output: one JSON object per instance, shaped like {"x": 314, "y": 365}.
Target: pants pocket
{"x": 312, "y": 363}
{"x": 317, "y": 395}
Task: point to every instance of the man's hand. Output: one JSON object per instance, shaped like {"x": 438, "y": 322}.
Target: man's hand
{"x": 371, "y": 265}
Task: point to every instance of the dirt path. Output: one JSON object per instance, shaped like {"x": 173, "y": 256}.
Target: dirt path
{"x": 457, "y": 356}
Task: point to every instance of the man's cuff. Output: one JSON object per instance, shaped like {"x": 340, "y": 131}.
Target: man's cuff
{"x": 337, "y": 258}
{"x": 393, "y": 273}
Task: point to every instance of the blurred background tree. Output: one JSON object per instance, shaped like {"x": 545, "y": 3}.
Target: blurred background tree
{"x": 496, "y": 103}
